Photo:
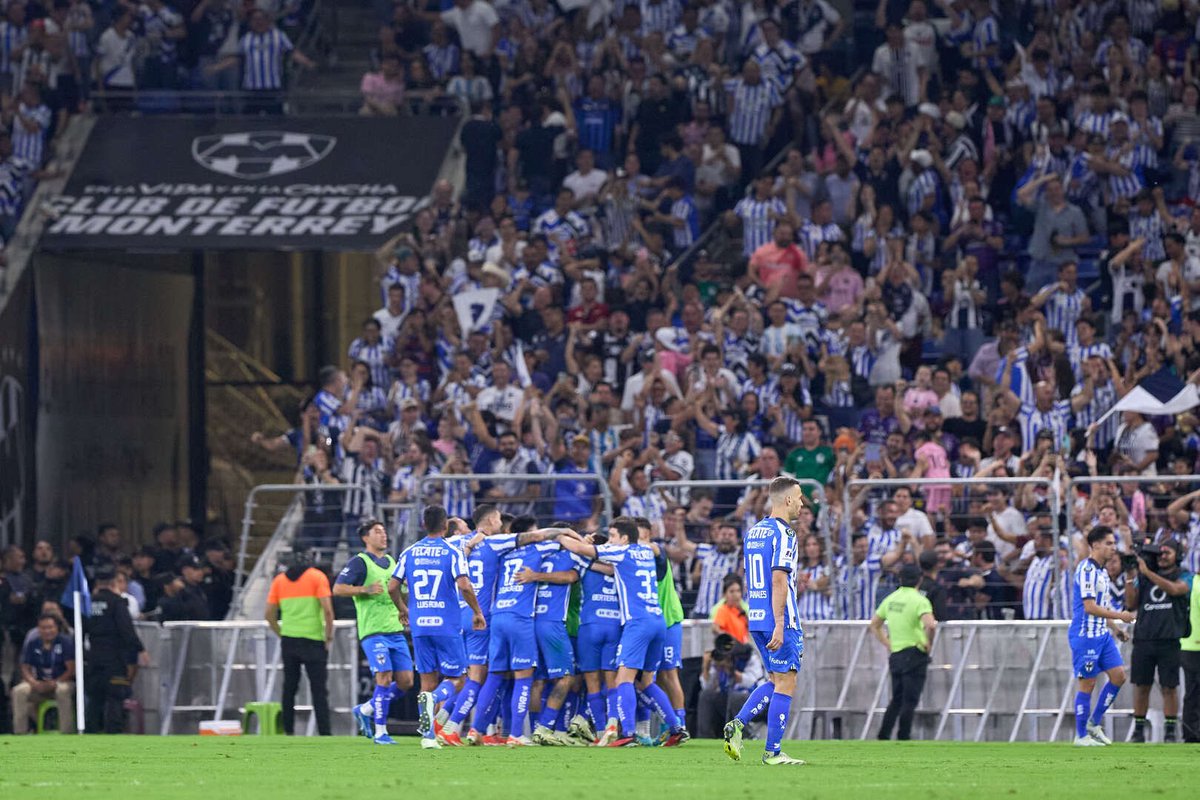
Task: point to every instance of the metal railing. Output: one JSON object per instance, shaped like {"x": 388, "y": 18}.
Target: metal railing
{"x": 987, "y": 681}
{"x": 296, "y": 102}
{"x": 210, "y": 670}
{"x": 297, "y": 524}
{"x": 679, "y": 493}
{"x": 541, "y": 505}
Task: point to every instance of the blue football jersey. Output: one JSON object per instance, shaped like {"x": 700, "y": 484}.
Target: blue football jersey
{"x": 432, "y": 568}
{"x": 1091, "y": 582}
{"x": 598, "y": 602}
{"x": 483, "y": 567}
{"x": 770, "y": 545}
{"x": 520, "y": 598}
{"x": 636, "y": 579}
{"x": 552, "y": 598}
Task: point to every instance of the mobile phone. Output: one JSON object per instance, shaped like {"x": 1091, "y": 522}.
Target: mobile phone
{"x": 874, "y": 451}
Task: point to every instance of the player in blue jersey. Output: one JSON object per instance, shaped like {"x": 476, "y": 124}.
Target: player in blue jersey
{"x": 487, "y": 547}
{"x": 436, "y": 572}
{"x": 770, "y": 563}
{"x": 380, "y": 613}
{"x": 556, "y": 655}
{"x": 643, "y": 631}
{"x": 1093, "y": 624}
{"x": 512, "y": 646}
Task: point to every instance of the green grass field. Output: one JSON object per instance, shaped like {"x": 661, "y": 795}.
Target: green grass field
{"x": 211, "y": 768}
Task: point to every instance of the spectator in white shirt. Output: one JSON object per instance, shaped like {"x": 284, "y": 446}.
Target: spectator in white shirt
{"x": 477, "y": 25}
{"x": 501, "y": 398}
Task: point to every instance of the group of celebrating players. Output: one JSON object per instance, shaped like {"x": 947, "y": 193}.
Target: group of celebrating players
{"x": 501, "y": 636}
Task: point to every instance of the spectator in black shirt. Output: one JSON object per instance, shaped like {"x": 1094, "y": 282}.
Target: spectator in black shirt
{"x": 970, "y": 425}
{"x": 657, "y": 115}
{"x": 480, "y": 135}
{"x": 218, "y": 586}
{"x": 169, "y": 551}
{"x": 113, "y": 657}
{"x": 929, "y": 586}
{"x": 185, "y": 598}
{"x": 144, "y": 575}
{"x": 534, "y": 147}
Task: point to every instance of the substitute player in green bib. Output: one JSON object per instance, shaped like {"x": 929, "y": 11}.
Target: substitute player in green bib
{"x": 909, "y": 635}
{"x": 381, "y": 615}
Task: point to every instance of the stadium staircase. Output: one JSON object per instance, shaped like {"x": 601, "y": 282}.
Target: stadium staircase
{"x": 345, "y": 34}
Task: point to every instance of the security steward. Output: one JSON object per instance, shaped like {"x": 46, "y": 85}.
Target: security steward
{"x": 306, "y": 632}
{"x": 1157, "y": 587}
{"x": 114, "y": 654}
{"x": 908, "y": 638}
{"x": 929, "y": 585}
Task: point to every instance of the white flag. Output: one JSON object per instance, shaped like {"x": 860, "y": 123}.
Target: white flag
{"x": 474, "y": 308}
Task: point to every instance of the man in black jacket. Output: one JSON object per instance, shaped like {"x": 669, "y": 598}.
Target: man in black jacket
{"x": 185, "y": 598}
{"x": 110, "y": 663}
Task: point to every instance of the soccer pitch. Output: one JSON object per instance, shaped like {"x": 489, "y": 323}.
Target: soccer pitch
{"x": 212, "y": 768}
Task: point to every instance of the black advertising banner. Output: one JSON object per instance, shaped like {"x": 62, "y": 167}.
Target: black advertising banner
{"x": 17, "y": 496}
{"x": 183, "y": 183}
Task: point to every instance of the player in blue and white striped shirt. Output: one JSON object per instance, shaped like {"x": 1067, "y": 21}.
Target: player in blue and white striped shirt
{"x": 1091, "y": 638}
{"x": 770, "y": 567}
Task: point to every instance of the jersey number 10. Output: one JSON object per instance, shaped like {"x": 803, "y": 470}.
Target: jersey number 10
{"x": 756, "y": 576}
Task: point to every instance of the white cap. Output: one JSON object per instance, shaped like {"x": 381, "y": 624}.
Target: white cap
{"x": 929, "y": 110}
{"x": 922, "y": 157}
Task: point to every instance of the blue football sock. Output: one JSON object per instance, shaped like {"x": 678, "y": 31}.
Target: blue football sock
{"x": 520, "y": 705}
{"x": 1083, "y": 704}
{"x": 443, "y": 692}
{"x": 611, "y": 703}
{"x": 506, "y": 708}
{"x": 756, "y": 702}
{"x": 380, "y": 702}
{"x": 681, "y": 715}
{"x": 644, "y": 709}
{"x": 777, "y": 716}
{"x": 487, "y": 701}
{"x": 626, "y": 708}
{"x": 394, "y": 692}
{"x": 465, "y": 701}
{"x": 547, "y": 716}
{"x": 1107, "y": 695}
{"x": 596, "y": 705}
{"x": 657, "y": 699}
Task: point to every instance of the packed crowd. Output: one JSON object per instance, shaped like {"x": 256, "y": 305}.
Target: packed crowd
{"x": 961, "y": 258}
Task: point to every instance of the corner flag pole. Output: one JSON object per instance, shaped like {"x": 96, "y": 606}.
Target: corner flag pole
{"x": 78, "y": 662}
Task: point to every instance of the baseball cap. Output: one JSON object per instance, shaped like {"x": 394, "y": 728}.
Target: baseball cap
{"x": 106, "y": 571}
{"x": 788, "y": 368}
{"x": 997, "y": 100}
{"x": 1045, "y": 433}
{"x": 580, "y": 438}
{"x": 929, "y": 110}
{"x": 188, "y": 561}
{"x": 934, "y": 410}
{"x": 409, "y": 402}
{"x": 922, "y": 157}
{"x": 1003, "y": 429}
{"x": 402, "y": 252}
{"x": 844, "y": 441}
{"x": 1118, "y": 116}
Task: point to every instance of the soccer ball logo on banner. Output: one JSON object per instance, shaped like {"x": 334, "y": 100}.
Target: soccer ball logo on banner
{"x": 260, "y": 154}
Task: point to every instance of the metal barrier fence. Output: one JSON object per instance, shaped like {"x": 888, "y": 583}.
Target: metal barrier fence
{"x": 209, "y": 670}
{"x": 520, "y": 494}
{"x": 857, "y": 492}
{"x": 1149, "y": 515}
{"x": 988, "y": 681}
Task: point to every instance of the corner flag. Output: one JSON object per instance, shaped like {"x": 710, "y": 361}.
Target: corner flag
{"x": 77, "y": 583}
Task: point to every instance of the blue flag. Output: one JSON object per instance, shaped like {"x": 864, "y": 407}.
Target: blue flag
{"x": 77, "y": 583}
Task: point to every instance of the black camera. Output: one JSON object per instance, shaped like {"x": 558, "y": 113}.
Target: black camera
{"x": 723, "y": 646}
{"x": 1148, "y": 552}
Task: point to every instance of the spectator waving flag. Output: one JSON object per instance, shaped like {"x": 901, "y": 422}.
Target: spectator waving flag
{"x": 77, "y": 583}
{"x": 1160, "y": 393}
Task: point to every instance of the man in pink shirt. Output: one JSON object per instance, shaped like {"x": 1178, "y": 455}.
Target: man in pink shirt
{"x": 779, "y": 263}
{"x": 932, "y": 462}
{"x": 383, "y": 91}
{"x": 839, "y": 286}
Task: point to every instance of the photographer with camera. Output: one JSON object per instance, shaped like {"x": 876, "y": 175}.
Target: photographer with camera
{"x": 728, "y": 674}
{"x": 1157, "y": 588}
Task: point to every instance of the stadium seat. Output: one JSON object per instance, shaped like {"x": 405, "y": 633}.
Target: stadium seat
{"x": 270, "y": 718}
{"x": 43, "y": 709}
